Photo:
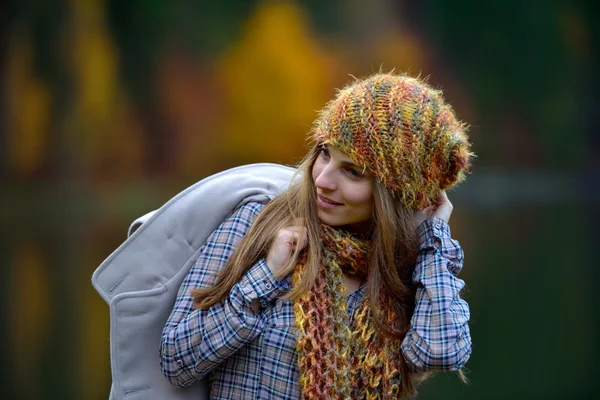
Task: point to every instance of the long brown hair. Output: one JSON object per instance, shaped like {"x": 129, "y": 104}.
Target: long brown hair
{"x": 298, "y": 203}
{"x": 392, "y": 257}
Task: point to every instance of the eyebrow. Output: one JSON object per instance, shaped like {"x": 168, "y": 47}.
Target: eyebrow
{"x": 348, "y": 164}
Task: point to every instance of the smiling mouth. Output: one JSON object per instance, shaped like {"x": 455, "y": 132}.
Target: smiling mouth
{"x": 329, "y": 201}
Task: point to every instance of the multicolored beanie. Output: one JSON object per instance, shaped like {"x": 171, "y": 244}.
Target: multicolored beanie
{"x": 401, "y": 129}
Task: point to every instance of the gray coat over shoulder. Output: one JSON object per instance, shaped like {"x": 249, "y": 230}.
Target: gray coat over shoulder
{"x": 140, "y": 279}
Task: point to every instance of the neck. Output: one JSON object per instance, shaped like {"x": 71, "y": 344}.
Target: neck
{"x": 351, "y": 284}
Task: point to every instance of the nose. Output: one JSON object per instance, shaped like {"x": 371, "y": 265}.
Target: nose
{"x": 325, "y": 179}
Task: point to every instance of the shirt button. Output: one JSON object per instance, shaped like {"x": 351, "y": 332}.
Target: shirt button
{"x": 180, "y": 363}
{"x": 268, "y": 286}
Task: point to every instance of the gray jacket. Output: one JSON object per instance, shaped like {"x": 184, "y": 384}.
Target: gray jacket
{"x": 140, "y": 279}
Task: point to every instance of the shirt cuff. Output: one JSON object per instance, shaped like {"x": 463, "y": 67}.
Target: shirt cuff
{"x": 433, "y": 228}
{"x": 259, "y": 283}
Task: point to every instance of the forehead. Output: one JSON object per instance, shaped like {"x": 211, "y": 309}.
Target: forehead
{"x": 344, "y": 159}
{"x": 340, "y": 156}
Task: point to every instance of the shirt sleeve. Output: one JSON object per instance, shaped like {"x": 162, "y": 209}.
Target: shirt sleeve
{"x": 195, "y": 341}
{"x": 439, "y": 337}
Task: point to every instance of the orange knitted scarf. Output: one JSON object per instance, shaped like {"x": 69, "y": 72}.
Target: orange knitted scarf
{"x": 339, "y": 358}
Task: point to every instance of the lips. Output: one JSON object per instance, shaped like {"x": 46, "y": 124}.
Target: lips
{"x": 329, "y": 201}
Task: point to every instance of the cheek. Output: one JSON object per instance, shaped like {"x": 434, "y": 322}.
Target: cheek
{"x": 361, "y": 196}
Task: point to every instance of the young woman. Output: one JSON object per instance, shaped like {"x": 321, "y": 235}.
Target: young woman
{"x": 345, "y": 286}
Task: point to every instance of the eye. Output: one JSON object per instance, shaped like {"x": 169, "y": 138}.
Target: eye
{"x": 323, "y": 151}
{"x": 354, "y": 173}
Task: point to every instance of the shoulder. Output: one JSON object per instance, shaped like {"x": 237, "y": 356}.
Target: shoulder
{"x": 246, "y": 213}
{"x": 238, "y": 222}
{"x": 219, "y": 246}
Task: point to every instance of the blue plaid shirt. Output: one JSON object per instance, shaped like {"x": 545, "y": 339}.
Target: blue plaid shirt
{"x": 252, "y": 355}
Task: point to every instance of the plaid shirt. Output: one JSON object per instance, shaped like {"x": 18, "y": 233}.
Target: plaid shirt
{"x": 252, "y": 355}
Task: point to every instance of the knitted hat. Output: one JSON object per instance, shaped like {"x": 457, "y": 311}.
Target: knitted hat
{"x": 399, "y": 128}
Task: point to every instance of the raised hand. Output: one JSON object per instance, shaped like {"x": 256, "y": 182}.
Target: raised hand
{"x": 441, "y": 209}
{"x": 282, "y": 249}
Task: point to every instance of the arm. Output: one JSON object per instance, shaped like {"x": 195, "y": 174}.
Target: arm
{"x": 439, "y": 337}
{"x": 194, "y": 341}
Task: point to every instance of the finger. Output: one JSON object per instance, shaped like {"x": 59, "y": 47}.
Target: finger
{"x": 296, "y": 236}
{"x": 428, "y": 210}
{"x": 292, "y": 236}
{"x": 443, "y": 197}
{"x": 301, "y": 238}
{"x": 299, "y": 230}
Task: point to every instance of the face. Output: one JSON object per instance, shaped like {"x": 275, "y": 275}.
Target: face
{"x": 344, "y": 190}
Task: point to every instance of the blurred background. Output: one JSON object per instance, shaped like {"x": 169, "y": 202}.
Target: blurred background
{"x": 109, "y": 108}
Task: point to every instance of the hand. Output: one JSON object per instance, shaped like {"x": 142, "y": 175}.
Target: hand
{"x": 283, "y": 247}
{"x": 441, "y": 209}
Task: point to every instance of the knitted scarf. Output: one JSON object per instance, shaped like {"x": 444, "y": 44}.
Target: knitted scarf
{"x": 339, "y": 359}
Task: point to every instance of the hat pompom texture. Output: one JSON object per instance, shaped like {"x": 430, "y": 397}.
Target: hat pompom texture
{"x": 402, "y": 131}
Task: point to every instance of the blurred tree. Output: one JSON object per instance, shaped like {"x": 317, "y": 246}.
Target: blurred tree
{"x": 143, "y": 31}
{"x": 93, "y": 350}
{"x": 31, "y": 312}
{"x": 29, "y": 110}
{"x": 518, "y": 65}
{"x": 274, "y": 80}
{"x": 108, "y": 146}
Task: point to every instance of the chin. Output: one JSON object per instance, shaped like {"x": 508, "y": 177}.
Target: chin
{"x": 361, "y": 226}
{"x": 333, "y": 221}
{"x": 328, "y": 219}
